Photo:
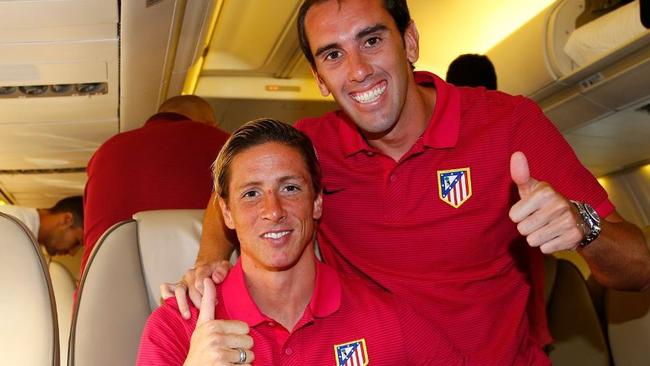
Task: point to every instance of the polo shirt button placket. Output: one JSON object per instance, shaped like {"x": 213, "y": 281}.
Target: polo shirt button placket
{"x": 288, "y": 351}
{"x": 393, "y": 200}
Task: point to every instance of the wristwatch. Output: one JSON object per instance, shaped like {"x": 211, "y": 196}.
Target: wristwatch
{"x": 590, "y": 222}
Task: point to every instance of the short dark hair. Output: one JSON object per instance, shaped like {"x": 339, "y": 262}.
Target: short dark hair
{"x": 258, "y": 132}
{"x": 398, "y": 9}
{"x": 472, "y": 70}
{"x": 74, "y": 205}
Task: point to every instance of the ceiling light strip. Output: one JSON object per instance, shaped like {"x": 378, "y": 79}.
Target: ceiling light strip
{"x": 194, "y": 72}
{"x": 42, "y": 171}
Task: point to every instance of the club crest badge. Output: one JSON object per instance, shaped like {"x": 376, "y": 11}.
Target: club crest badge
{"x": 454, "y": 186}
{"x": 352, "y": 353}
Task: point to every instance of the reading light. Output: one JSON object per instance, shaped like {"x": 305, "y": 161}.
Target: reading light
{"x": 61, "y": 88}
{"x": 88, "y": 88}
{"x": 6, "y": 90}
{"x": 33, "y": 89}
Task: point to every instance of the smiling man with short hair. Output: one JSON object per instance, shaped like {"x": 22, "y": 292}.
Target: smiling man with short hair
{"x": 298, "y": 311}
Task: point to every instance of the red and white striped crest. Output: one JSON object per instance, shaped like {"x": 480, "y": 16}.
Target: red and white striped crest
{"x": 454, "y": 186}
{"x": 351, "y": 353}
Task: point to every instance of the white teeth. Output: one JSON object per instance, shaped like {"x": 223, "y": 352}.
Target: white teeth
{"x": 276, "y": 235}
{"x": 371, "y": 95}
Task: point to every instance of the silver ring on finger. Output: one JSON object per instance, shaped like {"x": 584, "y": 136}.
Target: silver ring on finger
{"x": 242, "y": 356}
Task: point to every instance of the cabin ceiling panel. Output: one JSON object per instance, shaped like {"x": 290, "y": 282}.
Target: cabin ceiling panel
{"x": 159, "y": 43}
{"x": 58, "y": 109}
{"x": 51, "y": 145}
{"x": 253, "y": 36}
{"x": 62, "y": 42}
{"x": 613, "y": 143}
{"x": 60, "y": 13}
{"x": 42, "y": 190}
{"x": 232, "y": 113}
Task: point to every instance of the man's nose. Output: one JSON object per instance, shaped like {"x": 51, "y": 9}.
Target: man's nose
{"x": 358, "y": 67}
{"x": 273, "y": 208}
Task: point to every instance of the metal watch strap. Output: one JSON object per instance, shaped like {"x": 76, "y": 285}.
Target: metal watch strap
{"x": 590, "y": 222}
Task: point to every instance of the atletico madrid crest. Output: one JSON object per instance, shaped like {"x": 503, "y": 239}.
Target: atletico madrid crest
{"x": 454, "y": 186}
{"x": 352, "y": 353}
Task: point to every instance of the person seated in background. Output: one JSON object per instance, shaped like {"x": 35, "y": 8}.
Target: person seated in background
{"x": 58, "y": 229}
{"x": 472, "y": 70}
{"x": 164, "y": 164}
{"x": 297, "y": 309}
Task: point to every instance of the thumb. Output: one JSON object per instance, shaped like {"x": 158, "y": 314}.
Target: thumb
{"x": 206, "y": 312}
{"x": 520, "y": 173}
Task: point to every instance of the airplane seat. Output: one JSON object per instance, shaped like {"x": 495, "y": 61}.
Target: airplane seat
{"x": 628, "y": 323}
{"x": 573, "y": 321}
{"x": 63, "y": 285}
{"x": 120, "y": 286}
{"x": 28, "y": 331}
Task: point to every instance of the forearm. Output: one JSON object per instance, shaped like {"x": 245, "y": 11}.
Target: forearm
{"x": 619, "y": 258}
{"x": 217, "y": 242}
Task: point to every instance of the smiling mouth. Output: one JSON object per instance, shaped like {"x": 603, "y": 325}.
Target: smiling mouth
{"x": 276, "y": 234}
{"x": 370, "y": 95}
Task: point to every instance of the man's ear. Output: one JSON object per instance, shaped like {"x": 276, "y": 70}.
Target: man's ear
{"x": 412, "y": 42}
{"x": 318, "y": 206}
{"x": 324, "y": 90}
{"x": 227, "y": 215}
{"x": 66, "y": 219}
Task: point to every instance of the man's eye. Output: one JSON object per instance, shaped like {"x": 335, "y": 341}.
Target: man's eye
{"x": 372, "y": 41}
{"x": 249, "y": 194}
{"x": 333, "y": 55}
{"x": 292, "y": 188}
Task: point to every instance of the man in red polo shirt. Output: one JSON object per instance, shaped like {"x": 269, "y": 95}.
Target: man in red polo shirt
{"x": 428, "y": 191}
{"x": 164, "y": 164}
{"x": 297, "y": 310}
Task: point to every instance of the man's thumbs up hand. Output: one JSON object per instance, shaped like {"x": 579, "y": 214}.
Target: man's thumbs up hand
{"x": 546, "y": 218}
{"x": 218, "y": 342}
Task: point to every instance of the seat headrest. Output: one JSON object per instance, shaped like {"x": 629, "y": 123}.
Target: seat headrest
{"x": 169, "y": 243}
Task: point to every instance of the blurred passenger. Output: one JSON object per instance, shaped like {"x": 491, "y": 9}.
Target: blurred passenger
{"x": 58, "y": 229}
{"x": 472, "y": 70}
{"x": 268, "y": 183}
{"x": 163, "y": 165}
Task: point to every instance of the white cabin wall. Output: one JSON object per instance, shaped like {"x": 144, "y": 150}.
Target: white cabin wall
{"x": 629, "y": 190}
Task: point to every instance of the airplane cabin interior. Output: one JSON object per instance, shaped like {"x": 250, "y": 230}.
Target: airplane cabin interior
{"x": 74, "y": 73}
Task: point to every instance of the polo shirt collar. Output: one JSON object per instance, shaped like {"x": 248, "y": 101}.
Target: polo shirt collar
{"x": 441, "y": 132}
{"x": 167, "y": 116}
{"x": 444, "y": 125}
{"x": 239, "y": 304}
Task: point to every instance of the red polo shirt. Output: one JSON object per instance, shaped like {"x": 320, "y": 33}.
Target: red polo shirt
{"x": 344, "y": 321}
{"x": 165, "y": 164}
{"x": 433, "y": 227}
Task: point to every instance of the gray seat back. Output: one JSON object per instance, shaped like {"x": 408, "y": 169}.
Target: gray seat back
{"x": 120, "y": 286}
{"x": 573, "y": 321}
{"x": 28, "y": 329}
